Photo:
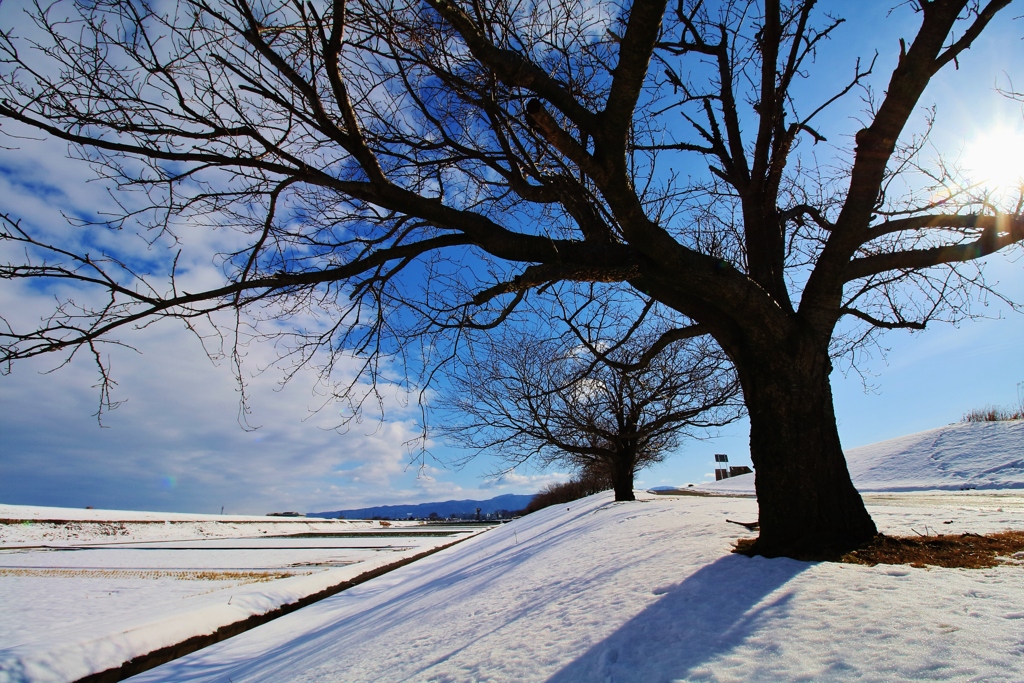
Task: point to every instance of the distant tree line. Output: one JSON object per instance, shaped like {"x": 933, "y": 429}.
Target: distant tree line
{"x": 435, "y": 517}
{"x": 586, "y": 483}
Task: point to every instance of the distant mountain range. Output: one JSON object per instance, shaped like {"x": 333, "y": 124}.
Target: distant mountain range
{"x": 509, "y": 501}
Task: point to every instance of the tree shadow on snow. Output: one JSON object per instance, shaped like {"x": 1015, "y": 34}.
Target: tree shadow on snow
{"x": 408, "y": 594}
{"x": 709, "y": 614}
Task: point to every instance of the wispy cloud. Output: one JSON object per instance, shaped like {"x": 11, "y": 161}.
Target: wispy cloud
{"x": 177, "y": 442}
{"x": 517, "y": 480}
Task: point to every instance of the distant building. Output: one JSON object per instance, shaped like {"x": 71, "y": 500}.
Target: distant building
{"x": 723, "y": 470}
{"x": 286, "y": 514}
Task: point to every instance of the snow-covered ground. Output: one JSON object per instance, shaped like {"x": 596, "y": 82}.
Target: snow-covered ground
{"x": 37, "y": 512}
{"x": 26, "y": 525}
{"x": 604, "y": 591}
{"x": 966, "y": 455}
{"x": 85, "y": 595}
{"x": 647, "y": 591}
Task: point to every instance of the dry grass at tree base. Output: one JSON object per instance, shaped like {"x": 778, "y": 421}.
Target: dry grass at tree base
{"x": 965, "y": 551}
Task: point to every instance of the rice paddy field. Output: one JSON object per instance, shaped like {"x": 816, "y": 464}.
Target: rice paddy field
{"x": 85, "y": 594}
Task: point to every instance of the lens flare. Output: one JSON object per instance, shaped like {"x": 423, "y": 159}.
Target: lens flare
{"x": 994, "y": 159}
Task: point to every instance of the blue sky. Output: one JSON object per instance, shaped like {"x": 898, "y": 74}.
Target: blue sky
{"x": 176, "y": 443}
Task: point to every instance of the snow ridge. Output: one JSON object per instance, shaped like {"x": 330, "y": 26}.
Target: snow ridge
{"x": 966, "y": 455}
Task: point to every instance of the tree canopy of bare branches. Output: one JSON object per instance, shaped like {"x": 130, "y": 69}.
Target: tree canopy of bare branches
{"x": 534, "y": 396}
{"x": 400, "y": 167}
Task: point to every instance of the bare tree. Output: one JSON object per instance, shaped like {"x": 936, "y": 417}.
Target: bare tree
{"x": 600, "y": 406}
{"x": 398, "y": 167}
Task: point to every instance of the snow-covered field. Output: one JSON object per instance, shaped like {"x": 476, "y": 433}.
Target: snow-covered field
{"x": 647, "y": 591}
{"x": 85, "y": 595}
{"x": 25, "y": 525}
{"x": 41, "y": 513}
{"x": 590, "y": 591}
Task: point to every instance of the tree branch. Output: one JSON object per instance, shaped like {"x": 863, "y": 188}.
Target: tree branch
{"x": 884, "y": 324}
{"x": 635, "y": 51}
{"x": 513, "y": 68}
{"x": 997, "y": 233}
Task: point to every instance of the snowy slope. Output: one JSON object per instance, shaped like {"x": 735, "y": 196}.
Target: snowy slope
{"x": 79, "y": 597}
{"x": 979, "y": 455}
{"x": 648, "y": 591}
{"x": 644, "y": 591}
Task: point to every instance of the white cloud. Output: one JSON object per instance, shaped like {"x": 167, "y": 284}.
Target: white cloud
{"x": 176, "y": 442}
{"x": 534, "y": 481}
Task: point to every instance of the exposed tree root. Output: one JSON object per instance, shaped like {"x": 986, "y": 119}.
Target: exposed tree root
{"x": 750, "y": 526}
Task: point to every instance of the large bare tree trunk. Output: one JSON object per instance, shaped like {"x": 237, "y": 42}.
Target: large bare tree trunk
{"x": 808, "y": 504}
{"x": 622, "y": 477}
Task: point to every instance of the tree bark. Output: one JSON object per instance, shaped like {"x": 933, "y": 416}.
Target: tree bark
{"x": 622, "y": 477}
{"x": 809, "y": 507}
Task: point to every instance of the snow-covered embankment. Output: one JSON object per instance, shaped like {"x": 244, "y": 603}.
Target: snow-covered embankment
{"x": 644, "y": 591}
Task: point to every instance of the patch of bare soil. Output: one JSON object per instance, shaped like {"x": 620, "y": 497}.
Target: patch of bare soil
{"x": 966, "y": 551}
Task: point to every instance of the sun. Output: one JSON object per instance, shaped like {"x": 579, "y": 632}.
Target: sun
{"x": 994, "y": 160}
